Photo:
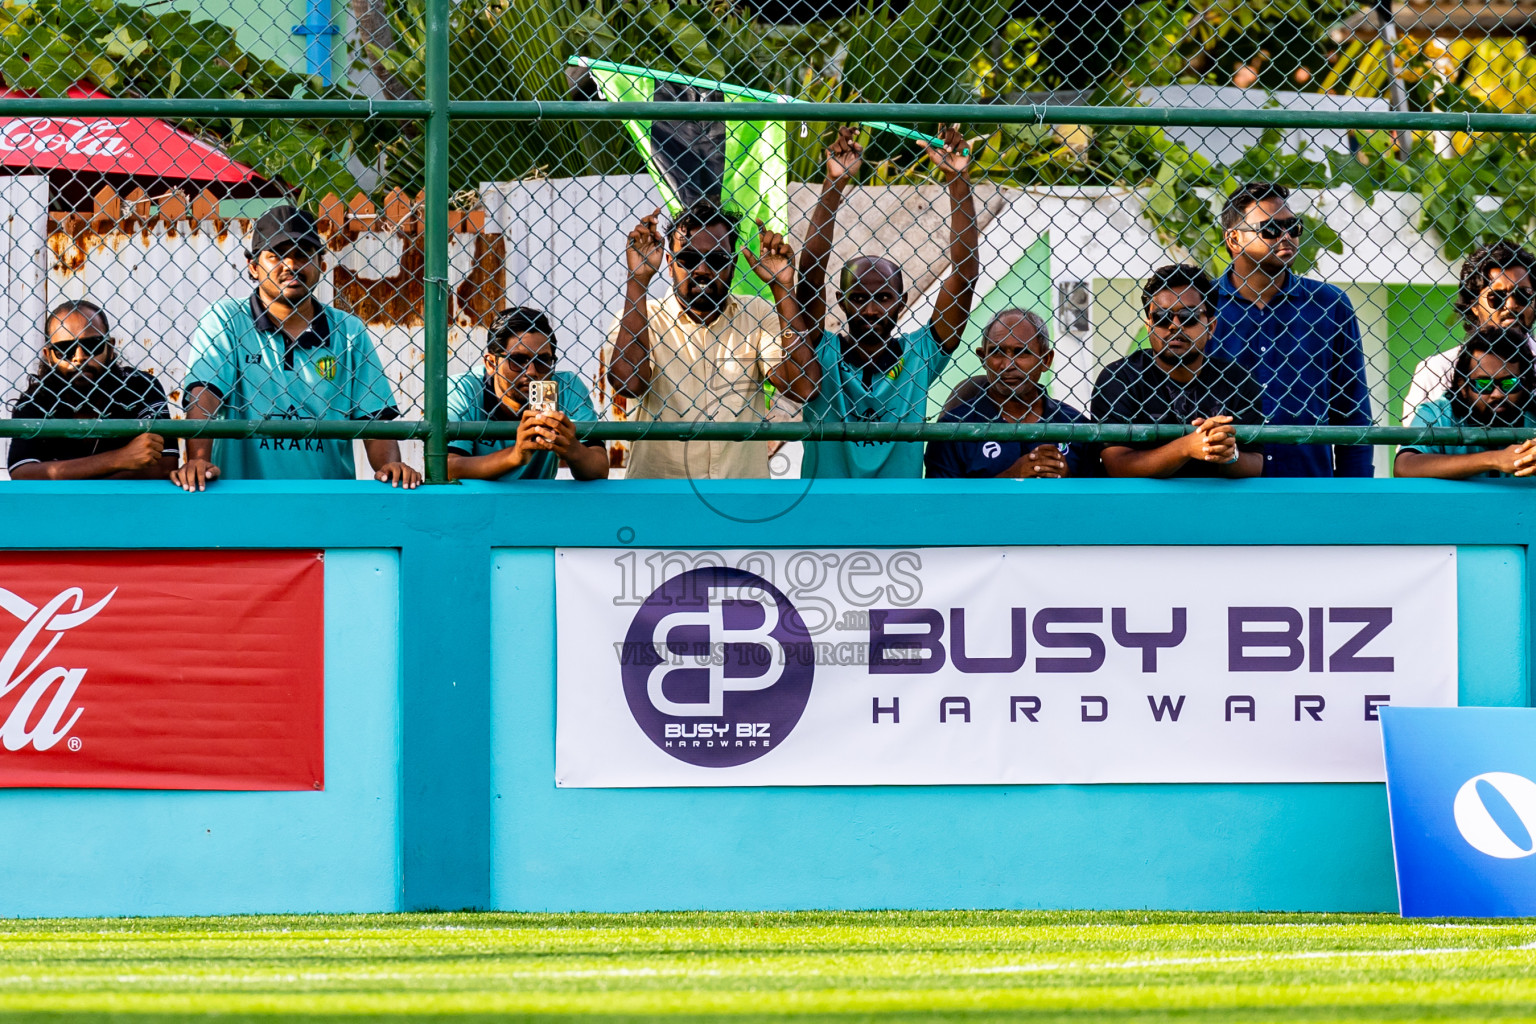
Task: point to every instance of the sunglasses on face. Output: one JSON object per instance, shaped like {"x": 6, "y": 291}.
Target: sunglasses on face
{"x": 524, "y": 360}
{"x": 1271, "y": 230}
{"x": 92, "y": 345}
{"x": 718, "y": 260}
{"x": 1177, "y": 316}
{"x": 1486, "y": 385}
{"x": 1497, "y": 298}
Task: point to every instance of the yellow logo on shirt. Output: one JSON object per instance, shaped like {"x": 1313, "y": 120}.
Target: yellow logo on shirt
{"x": 326, "y": 367}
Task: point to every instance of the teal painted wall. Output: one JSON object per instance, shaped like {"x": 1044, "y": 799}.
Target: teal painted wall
{"x": 1180, "y": 847}
{"x": 131, "y": 852}
{"x": 440, "y": 713}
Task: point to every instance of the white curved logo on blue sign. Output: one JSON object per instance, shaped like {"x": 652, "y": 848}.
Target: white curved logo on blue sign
{"x": 1496, "y": 813}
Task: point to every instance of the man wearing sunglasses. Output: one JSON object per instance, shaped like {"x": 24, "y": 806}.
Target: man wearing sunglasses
{"x": 1174, "y": 381}
{"x": 873, "y": 373}
{"x": 520, "y": 349}
{"x": 1497, "y": 288}
{"x": 80, "y": 378}
{"x": 703, "y": 353}
{"x": 1492, "y": 389}
{"x": 1298, "y": 337}
{"x": 282, "y": 354}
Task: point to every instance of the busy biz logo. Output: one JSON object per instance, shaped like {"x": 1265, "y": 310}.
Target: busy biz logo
{"x": 1496, "y": 813}
{"x": 29, "y": 723}
{"x": 717, "y": 666}
{"x": 325, "y": 366}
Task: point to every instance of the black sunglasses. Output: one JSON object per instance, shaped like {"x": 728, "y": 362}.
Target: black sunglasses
{"x": 92, "y": 345}
{"x": 1500, "y": 297}
{"x": 1271, "y": 230}
{"x": 1177, "y": 316}
{"x": 717, "y": 259}
{"x": 522, "y": 360}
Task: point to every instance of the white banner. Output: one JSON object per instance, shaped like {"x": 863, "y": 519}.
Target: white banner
{"x": 937, "y": 666}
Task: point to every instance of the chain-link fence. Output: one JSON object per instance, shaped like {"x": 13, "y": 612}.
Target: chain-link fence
{"x": 939, "y": 237}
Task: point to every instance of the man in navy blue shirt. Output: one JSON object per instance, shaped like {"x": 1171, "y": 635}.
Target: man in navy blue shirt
{"x": 1298, "y": 337}
{"x": 1015, "y": 349}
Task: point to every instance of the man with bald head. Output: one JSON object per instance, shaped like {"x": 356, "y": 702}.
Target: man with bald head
{"x": 871, "y": 373}
{"x": 1016, "y": 351}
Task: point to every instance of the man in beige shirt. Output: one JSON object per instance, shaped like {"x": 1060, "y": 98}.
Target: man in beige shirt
{"x": 703, "y": 353}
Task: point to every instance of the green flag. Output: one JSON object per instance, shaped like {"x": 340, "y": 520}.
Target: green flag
{"x": 742, "y": 165}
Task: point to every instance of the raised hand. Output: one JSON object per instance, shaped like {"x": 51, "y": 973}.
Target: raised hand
{"x": 951, "y": 159}
{"x": 643, "y": 249}
{"x": 774, "y": 261}
{"x": 845, "y": 156}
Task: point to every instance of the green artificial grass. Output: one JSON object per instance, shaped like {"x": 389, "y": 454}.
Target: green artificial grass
{"x": 841, "y": 967}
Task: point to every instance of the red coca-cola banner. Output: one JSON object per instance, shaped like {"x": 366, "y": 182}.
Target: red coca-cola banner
{"x": 163, "y": 669}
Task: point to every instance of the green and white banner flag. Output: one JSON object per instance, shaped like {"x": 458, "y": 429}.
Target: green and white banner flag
{"x": 742, "y": 165}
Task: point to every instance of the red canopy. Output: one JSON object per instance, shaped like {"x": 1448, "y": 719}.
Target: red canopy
{"x": 141, "y": 146}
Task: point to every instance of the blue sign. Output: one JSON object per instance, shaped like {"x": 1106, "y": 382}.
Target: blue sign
{"x": 1461, "y": 785}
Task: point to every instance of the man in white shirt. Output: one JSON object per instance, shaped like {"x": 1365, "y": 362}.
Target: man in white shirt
{"x": 703, "y": 353}
{"x": 1497, "y": 289}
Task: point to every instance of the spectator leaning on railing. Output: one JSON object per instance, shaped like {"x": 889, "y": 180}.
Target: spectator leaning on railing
{"x": 521, "y": 349}
{"x": 1174, "y": 381}
{"x": 1298, "y": 337}
{"x": 281, "y": 354}
{"x": 1016, "y": 350}
{"x": 1491, "y": 387}
{"x": 1497, "y": 289}
{"x": 870, "y": 373}
{"x": 702, "y": 353}
{"x": 80, "y": 378}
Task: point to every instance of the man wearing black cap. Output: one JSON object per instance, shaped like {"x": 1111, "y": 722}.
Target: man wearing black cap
{"x": 281, "y": 354}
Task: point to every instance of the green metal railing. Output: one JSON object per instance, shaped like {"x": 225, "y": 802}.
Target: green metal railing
{"x": 438, "y": 112}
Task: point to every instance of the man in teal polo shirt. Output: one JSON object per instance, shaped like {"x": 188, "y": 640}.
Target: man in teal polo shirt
{"x": 521, "y": 349}
{"x": 282, "y": 354}
{"x": 870, "y": 373}
{"x": 1491, "y": 388}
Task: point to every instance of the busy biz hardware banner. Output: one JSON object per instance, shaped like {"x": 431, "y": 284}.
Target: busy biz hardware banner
{"x": 994, "y": 665}
{"x": 162, "y": 670}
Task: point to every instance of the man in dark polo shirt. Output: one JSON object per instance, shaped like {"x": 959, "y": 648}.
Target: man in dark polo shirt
{"x": 80, "y": 378}
{"x": 1016, "y": 350}
{"x": 1174, "y": 381}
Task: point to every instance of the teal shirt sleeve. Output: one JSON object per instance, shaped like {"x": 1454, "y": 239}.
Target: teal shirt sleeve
{"x": 369, "y": 391}
{"x": 924, "y": 351}
{"x": 463, "y": 391}
{"x": 213, "y": 359}
{"x": 1434, "y": 413}
{"x": 575, "y": 399}
{"x": 829, "y": 357}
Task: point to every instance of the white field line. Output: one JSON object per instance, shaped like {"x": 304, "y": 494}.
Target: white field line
{"x": 1200, "y": 961}
{"x": 685, "y": 972}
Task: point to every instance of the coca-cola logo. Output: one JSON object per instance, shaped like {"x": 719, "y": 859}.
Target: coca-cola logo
{"x": 41, "y": 135}
{"x": 38, "y": 717}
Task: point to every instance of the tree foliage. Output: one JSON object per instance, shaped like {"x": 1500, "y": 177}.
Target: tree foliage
{"x": 49, "y": 46}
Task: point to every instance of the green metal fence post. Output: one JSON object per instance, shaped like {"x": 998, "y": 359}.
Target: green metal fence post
{"x": 435, "y": 298}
